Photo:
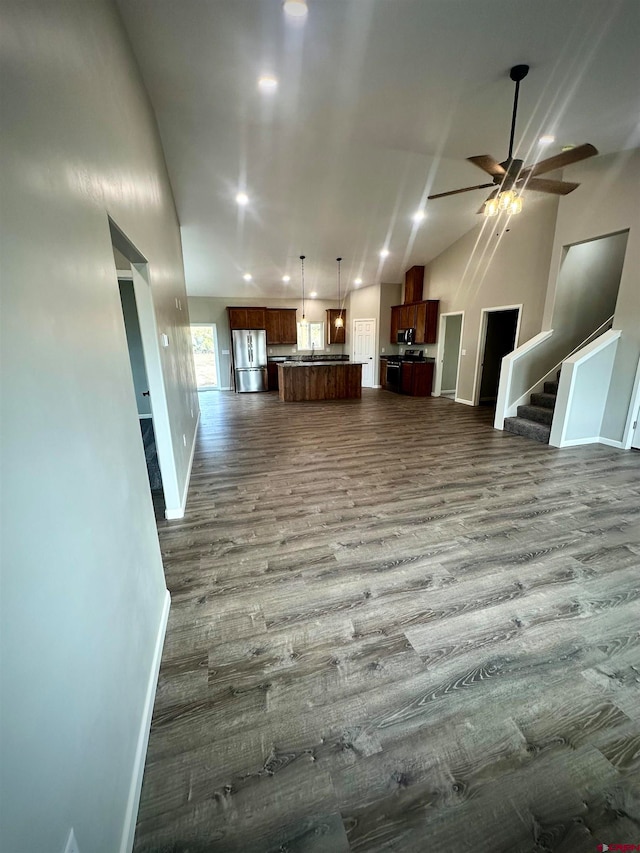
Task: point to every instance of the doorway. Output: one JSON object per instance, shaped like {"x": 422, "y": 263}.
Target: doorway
{"x": 143, "y": 342}
{"x": 499, "y": 330}
{"x": 204, "y": 339}
{"x": 449, "y": 347}
{"x": 364, "y": 349}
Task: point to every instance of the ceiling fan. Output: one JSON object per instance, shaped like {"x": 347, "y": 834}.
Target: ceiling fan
{"x": 509, "y": 177}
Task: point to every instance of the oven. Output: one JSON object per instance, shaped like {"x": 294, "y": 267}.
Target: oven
{"x": 393, "y": 375}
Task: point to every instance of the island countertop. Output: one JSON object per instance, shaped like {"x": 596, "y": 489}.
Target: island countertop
{"x": 319, "y": 380}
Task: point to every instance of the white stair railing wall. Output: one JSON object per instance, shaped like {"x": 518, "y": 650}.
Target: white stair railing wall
{"x": 525, "y": 370}
{"x": 582, "y": 393}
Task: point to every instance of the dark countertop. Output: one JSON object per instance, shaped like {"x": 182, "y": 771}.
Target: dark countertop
{"x": 280, "y": 359}
{"x": 409, "y": 360}
{"x": 318, "y": 363}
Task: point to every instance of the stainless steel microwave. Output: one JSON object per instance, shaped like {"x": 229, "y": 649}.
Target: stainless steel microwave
{"x": 406, "y": 336}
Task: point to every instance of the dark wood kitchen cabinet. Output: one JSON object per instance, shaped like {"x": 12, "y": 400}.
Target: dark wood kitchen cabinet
{"x": 247, "y": 318}
{"x": 426, "y": 321}
{"x": 281, "y": 327}
{"x": 336, "y": 335}
{"x": 408, "y": 316}
{"x": 395, "y": 324}
{"x": 413, "y": 284}
{"x": 272, "y": 375}
{"x": 421, "y": 316}
{"x": 416, "y": 378}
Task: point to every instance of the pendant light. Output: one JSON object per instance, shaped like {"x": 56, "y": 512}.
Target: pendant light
{"x": 303, "y": 322}
{"x": 339, "y": 321}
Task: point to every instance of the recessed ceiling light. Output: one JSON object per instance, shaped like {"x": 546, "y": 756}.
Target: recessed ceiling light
{"x": 295, "y": 8}
{"x": 357, "y": 281}
{"x": 286, "y": 278}
{"x": 268, "y": 83}
{"x": 568, "y": 147}
{"x": 419, "y": 215}
{"x": 242, "y": 199}
{"x": 247, "y": 276}
{"x": 384, "y": 253}
{"x": 547, "y": 139}
{"x": 313, "y": 294}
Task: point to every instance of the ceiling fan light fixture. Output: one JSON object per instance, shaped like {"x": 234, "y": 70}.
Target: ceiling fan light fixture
{"x": 295, "y": 8}
{"x": 515, "y": 206}
{"x": 506, "y": 199}
{"x": 491, "y": 207}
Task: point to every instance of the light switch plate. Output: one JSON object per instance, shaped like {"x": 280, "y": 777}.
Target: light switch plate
{"x": 165, "y": 339}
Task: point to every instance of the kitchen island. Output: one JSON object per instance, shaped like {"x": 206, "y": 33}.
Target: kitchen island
{"x": 319, "y": 380}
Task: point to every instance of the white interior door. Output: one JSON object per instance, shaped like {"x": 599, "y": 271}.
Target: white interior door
{"x": 364, "y": 349}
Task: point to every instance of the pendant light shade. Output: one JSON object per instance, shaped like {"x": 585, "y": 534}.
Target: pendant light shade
{"x": 339, "y": 321}
{"x": 303, "y": 322}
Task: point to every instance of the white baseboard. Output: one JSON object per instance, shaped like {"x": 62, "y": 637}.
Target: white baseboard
{"x": 447, "y": 391}
{"x": 611, "y": 442}
{"x": 171, "y": 514}
{"x": 133, "y": 801}
{"x": 376, "y": 386}
{"x": 466, "y": 402}
{"x": 578, "y": 442}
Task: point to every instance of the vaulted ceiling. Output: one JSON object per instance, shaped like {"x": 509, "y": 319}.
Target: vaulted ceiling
{"x": 378, "y": 104}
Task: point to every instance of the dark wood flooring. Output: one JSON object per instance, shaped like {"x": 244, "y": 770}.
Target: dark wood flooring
{"x": 396, "y": 628}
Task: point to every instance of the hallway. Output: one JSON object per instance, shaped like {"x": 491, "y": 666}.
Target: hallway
{"x": 395, "y": 628}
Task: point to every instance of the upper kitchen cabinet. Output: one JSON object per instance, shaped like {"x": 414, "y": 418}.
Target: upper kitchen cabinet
{"x": 336, "y": 335}
{"x": 413, "y": 283}
{"x": 407, "y": 316}
{"x": 247, "y": 318}
{"x": 421, "y": 316}
{"x": 280, "y": 324}
{"x": 395, "y": 324}
{"x": 426, "y": 321}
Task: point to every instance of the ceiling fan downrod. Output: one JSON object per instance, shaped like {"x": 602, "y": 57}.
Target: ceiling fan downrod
{"x": 517, "y": 73}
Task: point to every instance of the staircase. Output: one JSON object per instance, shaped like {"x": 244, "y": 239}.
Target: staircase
{"x": 534, "y": 419}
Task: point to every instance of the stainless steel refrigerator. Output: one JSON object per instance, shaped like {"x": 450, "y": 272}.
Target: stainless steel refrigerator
{"x": 250, "y": 359}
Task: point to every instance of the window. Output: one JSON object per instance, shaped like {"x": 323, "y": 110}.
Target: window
{"x": 311, "y": 336}
{"x": 203, "y": 338}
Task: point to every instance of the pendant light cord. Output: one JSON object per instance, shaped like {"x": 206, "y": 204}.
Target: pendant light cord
{"x": 339, "y": 302}
{"x": 302, "y": 257}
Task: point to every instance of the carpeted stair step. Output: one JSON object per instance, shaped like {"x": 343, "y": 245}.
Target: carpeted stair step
{"x": 550, "y": 387}
{"x": 530, "y": 429}
{"x": 547, "y": 401}
{"x": 540, "y": 414}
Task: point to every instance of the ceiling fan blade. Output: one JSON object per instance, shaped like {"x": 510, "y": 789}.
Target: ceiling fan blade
{"x": 566, "y": 158}
{"x": 488, "y": 198}
{"x": 543, "y": 185}
{"x": 488, "y": 164}
{"x": 463, "y": 190}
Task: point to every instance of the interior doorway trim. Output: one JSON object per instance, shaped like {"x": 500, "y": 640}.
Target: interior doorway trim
{"x": 174, "y": 502}
{"x": 633, "y": 415}
{"x": 482, "y": 339}
{"x": 440, "y": 350}
{"x": 353, "y": 346}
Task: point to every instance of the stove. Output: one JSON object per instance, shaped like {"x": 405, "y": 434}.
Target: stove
{"x": 409, "y": 355}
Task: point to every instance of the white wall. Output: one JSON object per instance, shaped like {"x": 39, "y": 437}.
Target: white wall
{"x": 83, "y": 589}
{"x": 482, "y": 270}
{"x": 606, "y": 203}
